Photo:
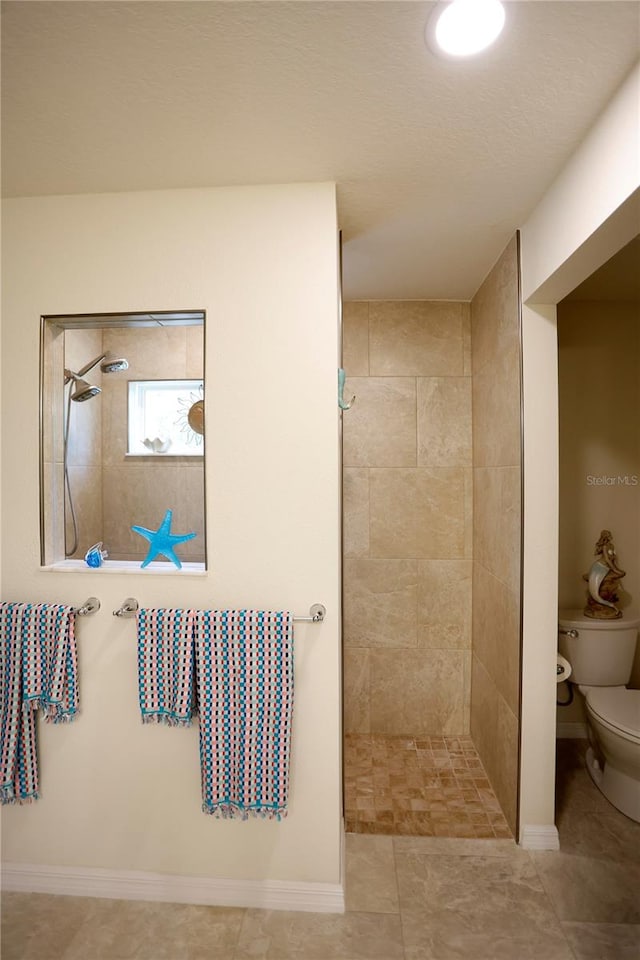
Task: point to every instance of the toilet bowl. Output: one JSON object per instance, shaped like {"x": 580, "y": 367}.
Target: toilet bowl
{"x": 601, "y": 655}
{"x": 614, "y": 721}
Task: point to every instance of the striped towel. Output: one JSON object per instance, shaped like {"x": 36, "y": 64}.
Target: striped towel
{"x": 38, "y": 669}
{"x": 242, "y": 663}
{"x": 165, "y": 666}
{"x": 245, "y": 694}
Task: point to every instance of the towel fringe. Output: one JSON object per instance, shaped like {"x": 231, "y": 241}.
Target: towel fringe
{"x": 54, "y": 712}
{"x": 7, "y": 796}
{"x": 58, "y": 715}
{"x": 166, "y": 719}
{"x": 231, "y": 811}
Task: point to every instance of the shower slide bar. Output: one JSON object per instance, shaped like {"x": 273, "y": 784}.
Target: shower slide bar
{"x": 92, "y": 605}
{"x": 130, "y": 607}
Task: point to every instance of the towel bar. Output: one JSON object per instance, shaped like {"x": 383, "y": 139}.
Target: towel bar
{"x": 131, "y": 606}
{"x": 92, "y": 605}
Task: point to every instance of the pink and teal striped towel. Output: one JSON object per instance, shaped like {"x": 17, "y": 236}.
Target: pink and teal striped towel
{"x": 245, "y": 692}
{"x": 242, "y": 663}
{"x": 166, "y": 666}
{"x": 38, "y": 670}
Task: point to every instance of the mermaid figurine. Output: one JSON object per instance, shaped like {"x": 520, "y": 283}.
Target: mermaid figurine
{"x": 604, "y": 581}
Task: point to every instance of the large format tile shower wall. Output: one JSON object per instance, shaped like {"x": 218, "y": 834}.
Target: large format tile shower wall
{"x": 407, "y": 518}
{"x": 497, "y": 513}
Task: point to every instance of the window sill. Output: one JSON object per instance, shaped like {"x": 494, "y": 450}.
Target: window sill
{"x": 186, "y": 457}
{"x": 128, "y": 566}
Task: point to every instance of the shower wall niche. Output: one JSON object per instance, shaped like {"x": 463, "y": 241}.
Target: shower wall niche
{"x": 107, "y": 488}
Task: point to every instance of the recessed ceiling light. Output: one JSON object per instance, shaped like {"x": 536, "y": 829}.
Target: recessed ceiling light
{"x": 460, "y": 28}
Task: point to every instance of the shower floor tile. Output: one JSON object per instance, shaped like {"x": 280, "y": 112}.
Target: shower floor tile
{"x": 427, "y": 786}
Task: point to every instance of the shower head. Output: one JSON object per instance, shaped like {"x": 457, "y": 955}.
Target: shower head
{"x": 112, "y": 364}
{"x": 108, "y": 364}
{"x": 83, "y": 390}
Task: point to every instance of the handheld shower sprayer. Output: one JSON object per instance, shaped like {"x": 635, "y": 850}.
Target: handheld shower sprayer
{"x": 79, "y": 391}
{"x": 82, "y": 390}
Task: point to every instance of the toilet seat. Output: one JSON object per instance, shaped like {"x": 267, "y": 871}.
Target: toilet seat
{"x": 617, "y": 708}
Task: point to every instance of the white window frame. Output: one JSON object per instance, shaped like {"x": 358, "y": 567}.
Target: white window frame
{"x": 145, "y": 423}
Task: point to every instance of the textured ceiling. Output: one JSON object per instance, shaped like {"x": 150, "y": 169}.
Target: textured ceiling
{"x": 437, "y": 163}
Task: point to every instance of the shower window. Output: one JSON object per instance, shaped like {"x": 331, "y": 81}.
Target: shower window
{"x": 166, "y": 418}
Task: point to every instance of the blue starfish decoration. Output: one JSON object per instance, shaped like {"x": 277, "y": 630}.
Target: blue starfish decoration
{"x": 162, "y": 541}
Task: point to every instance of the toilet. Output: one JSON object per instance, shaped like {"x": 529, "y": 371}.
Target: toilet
{"x": 601, "y": 655}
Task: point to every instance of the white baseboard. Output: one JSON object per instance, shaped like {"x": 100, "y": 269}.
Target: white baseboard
{"x": 571, "y": 731}
{"x": 539, "y": 837}
{"x": 170, "y": 888}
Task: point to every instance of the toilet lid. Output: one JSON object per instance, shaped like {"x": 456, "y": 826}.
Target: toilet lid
{"x": 575, "y": 619}
{"x": 618, "y": 707}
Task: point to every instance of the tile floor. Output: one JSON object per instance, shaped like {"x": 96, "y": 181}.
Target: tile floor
{"x": 429, "y": 787}
{"x": 408, "y": 898}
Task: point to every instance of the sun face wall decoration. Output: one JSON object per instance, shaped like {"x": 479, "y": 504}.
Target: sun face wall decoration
{"x": 191, "y": 417}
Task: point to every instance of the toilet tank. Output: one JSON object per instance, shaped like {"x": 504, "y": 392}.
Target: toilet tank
{"x": 601, "y": 655}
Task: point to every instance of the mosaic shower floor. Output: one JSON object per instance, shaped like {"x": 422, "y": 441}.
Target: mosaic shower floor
{"x": 428, "y": 787}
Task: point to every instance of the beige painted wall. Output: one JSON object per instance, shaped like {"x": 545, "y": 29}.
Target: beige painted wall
{"x": 599, "y": 394}
{"x": 599, "y": 410}
{"x": 407, "y": 518}
{"x": 262, "y": 262}
{"x": 497, "y": 513}
{"x": 2, "y": 402}
{"x": 585, "y": 216}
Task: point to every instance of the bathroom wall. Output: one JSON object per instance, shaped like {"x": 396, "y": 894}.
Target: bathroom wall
{"x": 407, "y": 518}
{"x": 1, "y": 406}
{"x": 599, "y": 384}
{"x": 587, "y": 214}
{"x": 119, "y": 797}
{"x": 84, "y": 456}
{"x": 141, "y": 489}
{"x": 599, "y": 410}
{"x": 497, "y": 512}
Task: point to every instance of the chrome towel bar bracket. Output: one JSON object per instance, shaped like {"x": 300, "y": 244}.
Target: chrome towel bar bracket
{"x": 128, "y": 609}
{"x": 92, "y": 605}
{"x": 317, "y": 614}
